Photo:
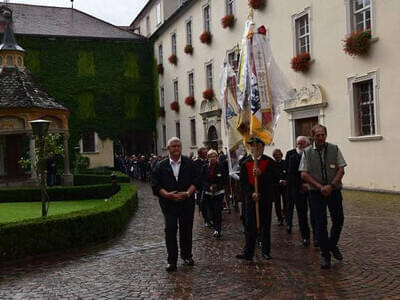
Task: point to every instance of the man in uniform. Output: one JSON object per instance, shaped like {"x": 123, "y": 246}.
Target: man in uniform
{"x": 322, "y": 166}
{"x": 267, "y": 174}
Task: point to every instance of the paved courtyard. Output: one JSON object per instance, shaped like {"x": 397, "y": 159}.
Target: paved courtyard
{"x": 132, "y": 265}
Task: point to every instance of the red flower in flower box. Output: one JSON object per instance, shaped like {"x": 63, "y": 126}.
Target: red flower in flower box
{"x": 208, "y": 94}
{"x": 301, "y": 62}
{"x": 190, "y": 100}
{"x": 173, "y": 59}
{"x": 175, "y": 106}
{"x": 160, "y": 69}
{"x": 161, "y": 112}
{"x": 228, "y": 21}
{"x": 358, "y": 43}
{"x": 257, "y": 4}
{"x": 206, "y": 37}
{"x": 188, "y": 49}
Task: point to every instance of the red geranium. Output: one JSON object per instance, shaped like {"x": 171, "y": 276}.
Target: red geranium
{"x": 160, "y": 69}
{"x": 188, "y": 49}
{"x": 175, "y": 106}
{"x": 358, "y": 43}
{"x": 228, "y": 21}
{"x": 257, "y": 4}
{"x": 301, "y": 62}
{"x": 208, "y": 94}
{"x": 190, "y": 100}
{"x": 173, "y": 59}
{"x": 206, "y": 37}
{"x": 161, "y": 112}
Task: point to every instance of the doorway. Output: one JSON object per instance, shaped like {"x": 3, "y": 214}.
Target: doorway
{"x": 303, "y": 126}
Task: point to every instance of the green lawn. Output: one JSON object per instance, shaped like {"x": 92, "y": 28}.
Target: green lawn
{"x": 12, "y": 212}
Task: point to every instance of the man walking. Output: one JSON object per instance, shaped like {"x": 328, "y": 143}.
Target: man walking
{"x": 173, "y": 181}
{"x": 322, "y": 166}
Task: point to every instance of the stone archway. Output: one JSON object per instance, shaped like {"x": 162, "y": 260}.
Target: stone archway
{"x": 210, "y": 112}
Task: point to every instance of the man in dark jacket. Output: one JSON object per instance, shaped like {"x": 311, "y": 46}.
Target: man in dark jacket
{"x": 203, "y": 205}
{"x": 267, "y": 174}
{"x": 174, "y": 181}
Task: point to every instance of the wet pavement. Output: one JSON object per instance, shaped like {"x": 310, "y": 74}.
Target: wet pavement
{"x": 132, "y": 265}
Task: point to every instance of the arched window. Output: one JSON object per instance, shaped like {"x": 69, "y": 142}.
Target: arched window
{"x": 19, "y": 61}
{"x": 9, "y": 60}
{"x": 1, "y": 60}
{"x": 212, "y": 134}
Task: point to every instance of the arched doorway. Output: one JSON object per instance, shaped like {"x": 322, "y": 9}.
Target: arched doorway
{"x": 212, "y": 138}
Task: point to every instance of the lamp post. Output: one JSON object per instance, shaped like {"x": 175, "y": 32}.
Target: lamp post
{"x": 40, "y": 128}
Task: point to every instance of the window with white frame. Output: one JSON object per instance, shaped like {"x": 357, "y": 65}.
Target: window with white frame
{"x": 173, "y": 43}
{"x": 360, "y": 15}
{"x": 191, "y": 84}
{"x": 162, "y": 97}
{"x": 303, "y": 40}
{"x": 193, "y": 132}
{"x": 158, "y": 13}
{"x": 209, "y": 76}
{"x": 189, "y": 32}
{"x": 160, "y": 54}
{"x": 207, "y": 17}
{"x": 363, "y": 96}
{"x": 176, "y": 91}
{"x": 164, "y": 136}
{"x": 230, "y": 7}
{"x": 148, "y": 25}
{"x": 178, "y": 129}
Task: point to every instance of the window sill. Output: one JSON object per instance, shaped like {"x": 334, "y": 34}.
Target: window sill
{"x": 374, "y": 39}
{"x": 193, "y": 147}
{"x": 96, "y": 152}
{"x": 365, "y": 138}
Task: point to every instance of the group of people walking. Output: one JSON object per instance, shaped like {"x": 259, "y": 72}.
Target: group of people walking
{"x": 310, "y": 176}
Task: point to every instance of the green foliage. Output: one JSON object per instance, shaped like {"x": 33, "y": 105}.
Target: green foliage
{"x": 58, "y": 193}
{"x": 85, "y": 64}
{"x": 86, "y": 106}
{"x": 131, "y": 66}
{"x": 81, "y": 163}
{"x": 71, "y": 230}
{"x": 85, "y": 179}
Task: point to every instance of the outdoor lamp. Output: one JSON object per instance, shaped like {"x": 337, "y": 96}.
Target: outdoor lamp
{"x": 40, "y": 127}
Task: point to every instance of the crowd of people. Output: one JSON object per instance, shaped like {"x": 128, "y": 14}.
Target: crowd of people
{"x": 308, "y": 179}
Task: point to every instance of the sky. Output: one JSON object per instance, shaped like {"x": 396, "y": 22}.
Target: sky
{"x": 117, "y": 12}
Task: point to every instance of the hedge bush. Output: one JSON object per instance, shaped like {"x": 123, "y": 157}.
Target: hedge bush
{"x": 90, "y": 179}
{"x": 58, "y": 193}
{"x": 70, "y": 230}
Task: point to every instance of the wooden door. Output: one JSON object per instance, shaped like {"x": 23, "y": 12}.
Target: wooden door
{"x": 14, "y": 154}
{"x": 303, "y": 126}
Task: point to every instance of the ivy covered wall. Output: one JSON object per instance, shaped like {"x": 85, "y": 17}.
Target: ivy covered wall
{"x": 108, "y": 85}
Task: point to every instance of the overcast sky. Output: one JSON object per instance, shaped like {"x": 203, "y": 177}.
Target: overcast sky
{"x": 117, "y": 12}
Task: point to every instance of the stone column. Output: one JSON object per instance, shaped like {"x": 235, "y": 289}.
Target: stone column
{"x": 32, "y": 156}
{"x": 67, "y": 178}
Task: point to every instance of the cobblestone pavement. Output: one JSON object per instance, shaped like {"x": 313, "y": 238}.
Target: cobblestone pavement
{"x": 132, "y": 265}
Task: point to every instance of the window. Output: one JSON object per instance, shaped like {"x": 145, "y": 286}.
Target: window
{"x": 209, "y": 76}
{"x": 230, "y": 7}
{"x": 303, "y": 34}
{"x": 164, "y": 136}
{"x": 162, "y": 97}
{"x": 193, "y": 132}
{"x": 189, "y": 32}
{"x": 158, "y": 13}
{"x": 191, "y": 84}
{"x": 173, "y": 43}
{"x": 19, "y": 61}
{"x": 160, "y": 54}
{"x": 148, "y": 25}
{"x": 360, "y": 15}
{"x": 176, "y": 91}
{"x": 1, "y": 60}
{"x": 232, "y": 60}
{"x": 88, "y": 142}
{"x": 9, "y": 60}
{"x": 363, "y": 104}
{"x": 178, "y": 129}
{"x": 207, "y": 18}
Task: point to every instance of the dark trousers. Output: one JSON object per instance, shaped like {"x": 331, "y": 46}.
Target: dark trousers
{"x": 265, "y": 208}
{"x": 215, "y": 210}
{"x": 302, "y": 215}
{"x": 319, "y": 205}
{"x": 183, "y": 215}
{"x": 280, "y": 202}
{"x": 204, "y": 208}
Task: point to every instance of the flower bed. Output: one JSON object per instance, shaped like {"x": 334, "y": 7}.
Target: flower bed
{"x": 358, "y": 43}
{"x": 206, "y": 37}
{"x": 173, "y": 59}
{"x": 228, "y": 21}
{"x": 190, "y": 101}
{"x": 175, "y": 106}
{"x": 208, "y": 94}
{"x": 301, "y": 62}
{"x": 188, "y": 49}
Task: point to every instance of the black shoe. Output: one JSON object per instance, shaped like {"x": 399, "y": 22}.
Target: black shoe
{"x": 336, "y": 253}
{"x": 325, "y": 262}
{"x": 280, "y": 223}
{"x": 188, "y": 262}
{"x": 206, "y": 224}
{"x": 266, "y": 256}
{"x": 289, "y": 229}
{"x": 217, "y": 234}
{"x": 306, "y": 242}
{"x": 244, "y": 256}
{"x": 171, "y": 268}
{"x": 316, "y": 244}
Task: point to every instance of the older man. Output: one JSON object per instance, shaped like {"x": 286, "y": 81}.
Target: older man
{"x": 322, "y": 166}
{"x": 173, "y": 181}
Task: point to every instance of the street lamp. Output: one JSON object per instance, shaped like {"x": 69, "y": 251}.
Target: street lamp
{"x": 40, "y": 129}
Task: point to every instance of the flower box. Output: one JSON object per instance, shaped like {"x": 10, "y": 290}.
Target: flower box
{"x": 206, "y": 37}
{"x": 228, "y": 21}
{"x": 188, "y": 49}
{"x": 358, "y": 43}
{"x": 257, "y": 4}
{"x": 208, "y": 94}
{"x": 175, "y": 106}
{"x": 173, "y": 59}
{"x": 301, "y": 62}
{"x": 160, "y": 69}
{"x": 161, "y": 112}
{"x": 190, "y": 101}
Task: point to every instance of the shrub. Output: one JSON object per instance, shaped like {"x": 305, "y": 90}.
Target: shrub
{"x": 90, "y": 179}
{"x": 81, "y": 163}
{"x": 257, "y": 4}
{"x": 160, "y": 69}
{"x": 173, "y": 59}
{"x": 206, "y": 37}
{"x": 188, "y": 49}
{"x": 175, "y": 106}
{"x": 190, "y": 101}
{"x": 301, "y": 62}
{"x": 71, "y": 230}
{"x": 358, "y": 43}
{"x": 228, "y": 21}
{"x": 208, "y": 94}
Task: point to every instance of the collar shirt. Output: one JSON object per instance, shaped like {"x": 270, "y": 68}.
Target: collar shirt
{"x": 175, "y": 165}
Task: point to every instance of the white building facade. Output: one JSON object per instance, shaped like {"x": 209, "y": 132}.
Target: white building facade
{"x": 354, "y": 96}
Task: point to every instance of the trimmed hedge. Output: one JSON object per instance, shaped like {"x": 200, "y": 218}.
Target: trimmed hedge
{"x": 90, "y": 179}
{"x": 58, "y": 193}
{"x": 70, "y": 230}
